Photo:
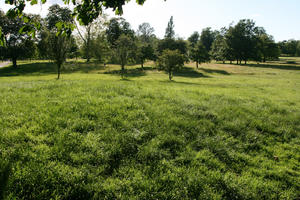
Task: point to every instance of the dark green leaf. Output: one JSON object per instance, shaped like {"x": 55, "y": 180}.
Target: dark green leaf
{"x": 33, "y": 2}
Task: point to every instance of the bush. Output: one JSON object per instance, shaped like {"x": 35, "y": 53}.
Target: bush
{"x": 171, "y": 60}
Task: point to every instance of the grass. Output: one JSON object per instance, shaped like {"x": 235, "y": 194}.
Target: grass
{"x": 222, "y": 132}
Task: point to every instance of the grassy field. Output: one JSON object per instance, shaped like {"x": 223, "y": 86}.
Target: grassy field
{"x": 220, "y": 132}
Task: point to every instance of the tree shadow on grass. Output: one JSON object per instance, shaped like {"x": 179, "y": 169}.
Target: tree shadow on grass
{"x": 46, "y": 68}
{"x": 284, "y": 67}
{"x": 216, "y": 71}
{"x": 131, "y": 73}
{"x": 189, "y": 73}
{"x": 28, "y": 69}
{"x": 82, "y": 67}
{"x": 178, "y": 82}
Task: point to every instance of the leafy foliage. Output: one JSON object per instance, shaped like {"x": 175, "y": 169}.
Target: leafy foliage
{"x": 17, "y": 43}
{"x": 171, "y": 60}
{"x": 116, "y": 28}
{"x": 125, "y": 49}
{"x": 199, "y": 54}
{"x": 207, "y": 38}
{"x": 59, "y": 42}
{"x": 170, "y": 32}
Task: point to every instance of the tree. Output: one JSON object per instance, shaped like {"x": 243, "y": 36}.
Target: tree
{"x": 73, "y": 49}
{"x": 193, "y": 39}
{"x": 85, "y": 11}
{"x": 116, "y": 28}
{"x": 220, "y": 51}
{"x": 298, "y": 49}
{"x": 267, "y": 48}
{"x": 207, "y": 38}
{"x": 101, "y": 49}
{"x": 288, "y": 48}
{"x": 172, "y": 44}
{"x": 170, "y": 33}
{"x": 145, "y": 32}
{"x": 88, "y": 33}
{"x": 242, "y": 39}
{"x": 145, "y": 43}
{"x": 199, "y": 54}
{"x": 125, "y": 49}
{"x": 145, "y": 51}
{"x": 171, "y": 60}
{"x": 18, "y": 44}
{"x": 59, "y": 44}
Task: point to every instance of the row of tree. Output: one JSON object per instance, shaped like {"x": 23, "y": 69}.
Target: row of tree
{"x": 114, "y": 41}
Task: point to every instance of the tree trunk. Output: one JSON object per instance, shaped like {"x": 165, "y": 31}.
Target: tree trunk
{"x": 142, "y": 64}
{"x": 223, "y": 61}
{"x": 122, "y": 70}
{"x": 245, "y": 62}
{"x": 231, "y": 62}
{"x": 240, "y": 62}
{"x": 237, "y": 61}
{"x": 170, "y": 75}
{"x": 14, "y": 60}
{"x": 264, "y": 59}
{"x": 58, "y": 71}
{"x": 197, "y": 65}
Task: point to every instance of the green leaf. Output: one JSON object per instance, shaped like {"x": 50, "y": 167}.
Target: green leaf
{"x": 33, "y": 2}
{"x": 43, "y": 1}
{"x": 37, "y": 25}
{"x": 11, "y": 2}
{"x": 11, "y": 13}
{"x": 25, "y": 19}
{"x": 33, "y": 34}
{"x": 2, "y": 40}
{"x": 59, "y": 25}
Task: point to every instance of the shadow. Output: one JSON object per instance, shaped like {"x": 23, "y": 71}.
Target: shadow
{"x": 136, "y": 72}
{"x": 189, "y": 72}
{"x": 284, "y": 67}
{"x": 29, "y": 69}
{"x": 178, "y": 82}
{"x": 216, "y": 71}
{"x": 82, "y": 67}
{"x": 46, "y": 68}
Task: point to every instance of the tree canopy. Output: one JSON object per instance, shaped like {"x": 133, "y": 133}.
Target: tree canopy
{"x": 18, "y": 44}
{"x": 170, "y": 32}
{"x": 84, "y": 11}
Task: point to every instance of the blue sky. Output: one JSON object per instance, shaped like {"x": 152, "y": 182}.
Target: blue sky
{"x": 281, "y": 18}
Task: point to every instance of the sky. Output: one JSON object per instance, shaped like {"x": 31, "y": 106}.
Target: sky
{"x": 280, "y": 18}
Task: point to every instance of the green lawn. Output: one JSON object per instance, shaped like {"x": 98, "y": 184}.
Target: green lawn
{"x": 220, "y": 132}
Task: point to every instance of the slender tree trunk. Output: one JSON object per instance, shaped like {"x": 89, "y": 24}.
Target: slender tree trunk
{"x": 237, "y": 61}
{"x": 265, "y": 59}
{"x": 231, "y": 62}
{"x": 223, "y": 61}
{"x": 142, "y": 64}
{"x": 170, "y": 75}
{"x": 88, "y": 44}
{"x": 122, "y": 70}
{"x": 197, "y": 65}
{"x": 240, "y": 62}
{"x": 58, "y": 70}
{"x": 245, "y": 62}
{"x": 14, "y": 60}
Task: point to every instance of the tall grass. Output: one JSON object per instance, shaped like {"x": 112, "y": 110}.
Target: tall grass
{"x": 223, "y": 132}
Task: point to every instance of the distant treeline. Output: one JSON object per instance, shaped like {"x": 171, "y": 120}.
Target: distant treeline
{"x": 114, "y": 41}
